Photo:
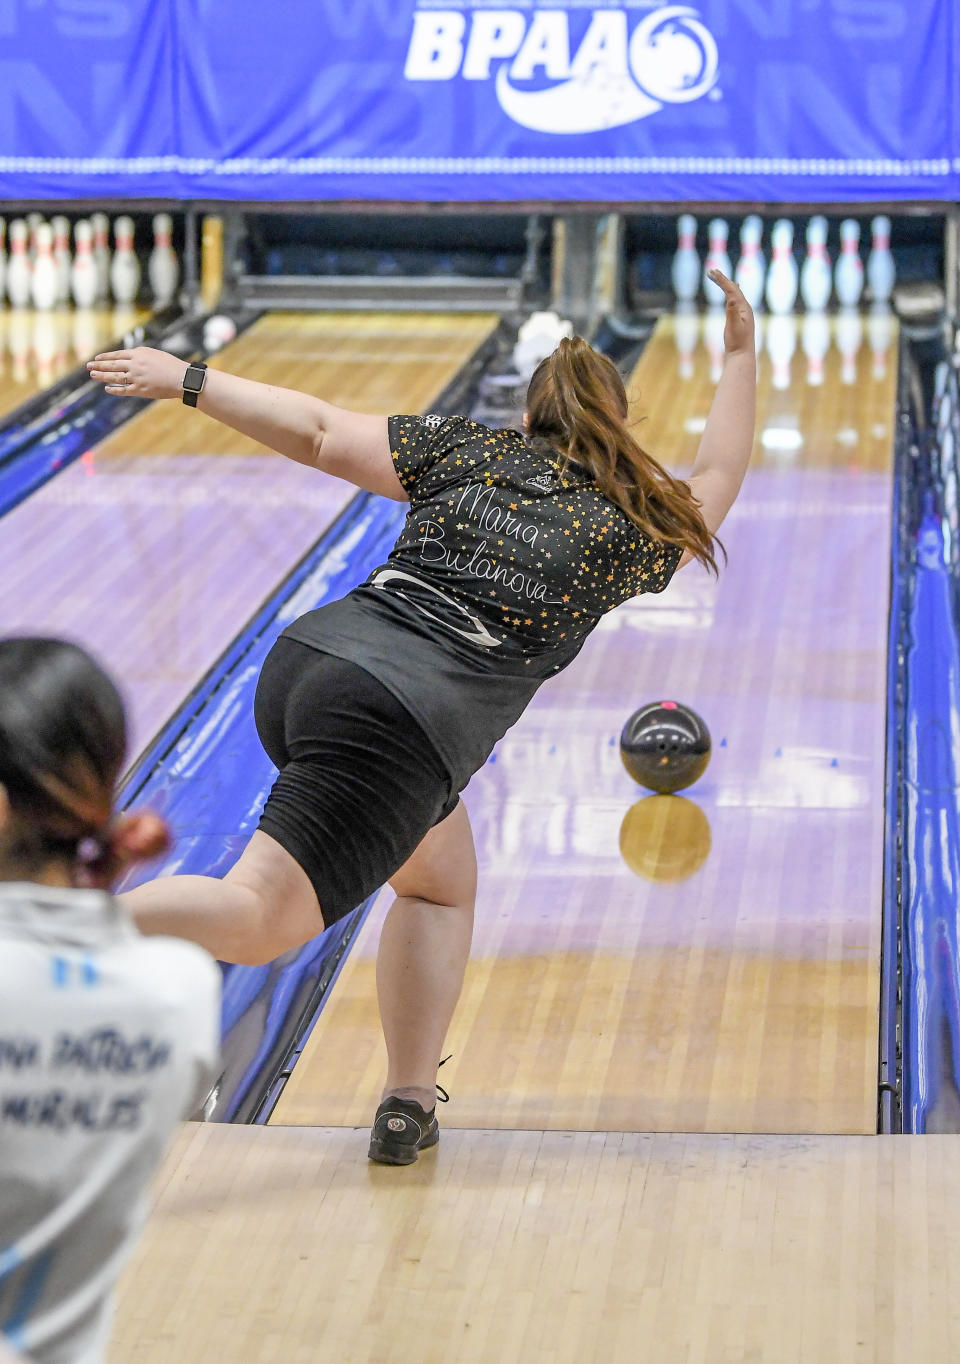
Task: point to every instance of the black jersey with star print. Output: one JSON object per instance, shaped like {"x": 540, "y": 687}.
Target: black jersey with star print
{"x": 507, "y": 560}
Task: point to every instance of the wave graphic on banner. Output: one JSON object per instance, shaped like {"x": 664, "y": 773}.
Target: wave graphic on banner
{"x": 672, "y": 57}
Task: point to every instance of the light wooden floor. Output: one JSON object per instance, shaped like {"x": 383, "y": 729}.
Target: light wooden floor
{"x": 284, "y": 1246}
{"x": 156, "y": 548}
{"x": 370, "y": 362}
{"x": 37, "y": 348}
{"x": 731, "y": 984}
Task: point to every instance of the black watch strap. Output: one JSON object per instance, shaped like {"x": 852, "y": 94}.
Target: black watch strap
{"x": 193, "y": 381}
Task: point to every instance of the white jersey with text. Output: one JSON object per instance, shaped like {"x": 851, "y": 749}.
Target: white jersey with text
{"x": 107, "y": 1040}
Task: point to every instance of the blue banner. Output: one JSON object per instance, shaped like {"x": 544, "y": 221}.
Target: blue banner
{"x": 468, "y": 100}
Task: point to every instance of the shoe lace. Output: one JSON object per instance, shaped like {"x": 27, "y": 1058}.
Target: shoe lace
{"x": 442, "y": 1094}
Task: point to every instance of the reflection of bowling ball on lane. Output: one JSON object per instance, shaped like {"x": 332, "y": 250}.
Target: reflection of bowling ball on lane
{"x": 665, "y": 746}
{"x": 665, "y": 838}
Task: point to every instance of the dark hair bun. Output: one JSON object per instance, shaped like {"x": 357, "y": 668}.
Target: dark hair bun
{"x": 137, "y": 837}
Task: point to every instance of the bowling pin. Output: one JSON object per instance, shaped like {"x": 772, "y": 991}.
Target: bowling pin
{"x": 61, "y": 256}
{"x": 713, "y": 325}
{"x": 84, "y": 276}
{"x": 751, "y": 265}
{"x": 43, "y": 282}
{"x": 815, "y": 339}
{"x": 782, "y": 276}
{"x": 124, "y": 268}
{"x": 18, "y": 266}
{"x": 162, "y": 268}
{"x": 848, "y": 275}
{"x": 849, "y": 337}
{"x": 685, "y": 269}
{"x": 717, "y": 259}
{"x": 816, "y": 277}
{"x": 881, "y": 271}
{"x": 880, "y": 335}
{"x": 686, "y": 331}
{"x": 100, "y": 225}
{"x": 3, "y": 258}
{"x": 33, "y": 222}
{"x": 781, "y": 344}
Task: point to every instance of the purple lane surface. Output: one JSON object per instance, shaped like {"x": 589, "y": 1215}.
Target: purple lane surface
{"x": 155, "y": 562}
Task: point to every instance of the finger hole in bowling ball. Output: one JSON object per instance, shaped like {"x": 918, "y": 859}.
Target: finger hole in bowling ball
{"x": 665, "y": 746}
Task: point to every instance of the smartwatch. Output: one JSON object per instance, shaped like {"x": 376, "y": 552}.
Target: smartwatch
{"x": 193, "y": 381}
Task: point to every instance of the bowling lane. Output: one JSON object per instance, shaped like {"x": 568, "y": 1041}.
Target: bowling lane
{"x": 38, "y": 348}
{"x": 156, "y": 547}
{"x": 730, "y": 981}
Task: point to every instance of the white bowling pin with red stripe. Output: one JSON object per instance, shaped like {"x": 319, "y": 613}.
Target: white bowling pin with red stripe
{"x": 816, "y": 277}
{"x": 100, "y": 226}
{"x": 19, "y": 269}
{"x": 84, "y": 276}
{"x": 751, "y": 266}
{"x": 881, "y": 270}
{"x": 685, "y": 268}
{"x": 124, "y": 268}
{"x": 43, "y": 281}
{"x": 717, "y": 259}
{"x": 162, "y": 268}
{"x": 782, "y": 278}
{"x": 848, "y": 275}
{"x": 61, "y": 256}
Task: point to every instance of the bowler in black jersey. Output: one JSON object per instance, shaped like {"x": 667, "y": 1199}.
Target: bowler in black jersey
{"x": 378, "y": 708}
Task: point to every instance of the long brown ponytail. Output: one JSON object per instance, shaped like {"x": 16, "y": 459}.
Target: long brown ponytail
{"x": 577, "y": 401}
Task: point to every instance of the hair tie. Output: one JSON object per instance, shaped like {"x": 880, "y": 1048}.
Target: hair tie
{"x": 94, "y": 861}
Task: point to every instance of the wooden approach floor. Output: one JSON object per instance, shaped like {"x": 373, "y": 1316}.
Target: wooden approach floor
{"x": 721, "y": 972}
{"x": 284, "y": 1246}
{"x": 157, "y": 546}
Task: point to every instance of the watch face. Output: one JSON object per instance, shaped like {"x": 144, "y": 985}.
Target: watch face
{"x": 193, "y": 380}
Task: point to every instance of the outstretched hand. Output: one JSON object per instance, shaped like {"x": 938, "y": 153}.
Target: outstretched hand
{"x": 738, "y": 332}
{"x": 140, "y": 373}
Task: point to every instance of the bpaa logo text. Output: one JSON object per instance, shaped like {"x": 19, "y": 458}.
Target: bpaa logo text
{"x": 614, "y": 72}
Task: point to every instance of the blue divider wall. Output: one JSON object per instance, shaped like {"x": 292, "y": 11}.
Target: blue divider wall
{"x": 926, "y": 777}
{"x": 766, "y": 100}
{"x": 931, "y": 890}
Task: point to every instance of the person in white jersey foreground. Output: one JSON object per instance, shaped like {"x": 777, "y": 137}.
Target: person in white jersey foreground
{"x": 107, "y": 1038}
{"x": 377, "y": 709}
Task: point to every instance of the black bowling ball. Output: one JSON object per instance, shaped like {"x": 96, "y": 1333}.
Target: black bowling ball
{"x": 665, "y": 746}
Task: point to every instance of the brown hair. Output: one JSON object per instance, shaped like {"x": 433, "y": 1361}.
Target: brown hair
{"x": 577, "y": 401}
{"x": 62, "y": 745}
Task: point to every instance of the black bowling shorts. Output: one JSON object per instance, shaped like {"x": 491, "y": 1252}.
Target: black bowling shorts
{"x": 360, "y": 784}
